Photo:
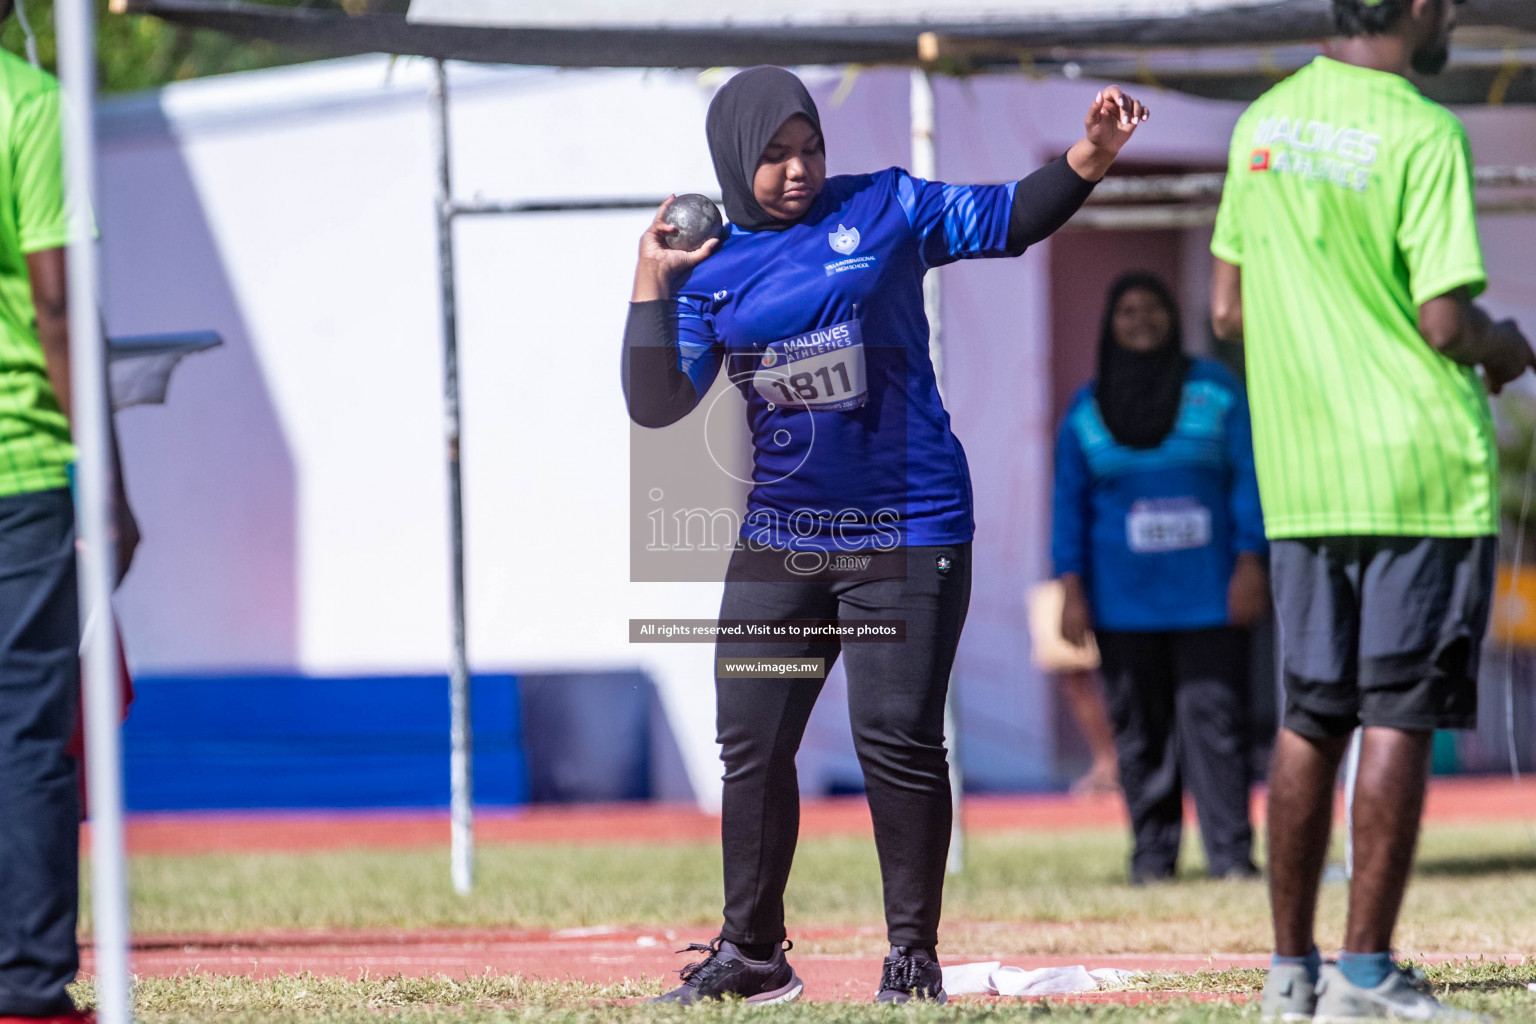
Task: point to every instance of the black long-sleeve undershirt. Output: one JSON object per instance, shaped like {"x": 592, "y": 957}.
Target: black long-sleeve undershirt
{"x": 656, "y": 389}
{"x": 659, "y": 393}
{"x": 1043, "y": 202}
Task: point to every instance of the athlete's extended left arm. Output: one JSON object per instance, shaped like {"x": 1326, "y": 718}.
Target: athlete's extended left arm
{"x": 1048, "y": 198}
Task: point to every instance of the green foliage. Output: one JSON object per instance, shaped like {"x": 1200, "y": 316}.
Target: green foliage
{"x": 140, "y": 52}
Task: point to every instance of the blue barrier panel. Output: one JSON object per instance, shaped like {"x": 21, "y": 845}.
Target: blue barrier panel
{"x": 300, "y": 741}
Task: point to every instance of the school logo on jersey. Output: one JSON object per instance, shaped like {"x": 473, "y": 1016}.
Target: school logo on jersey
{"x": 1259, "y": 161}
{"x": 843, "y": 240}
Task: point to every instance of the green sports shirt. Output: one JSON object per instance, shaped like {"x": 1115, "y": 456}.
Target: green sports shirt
{"x": 1348, "y": 204}
{"x": 35, "y": 448}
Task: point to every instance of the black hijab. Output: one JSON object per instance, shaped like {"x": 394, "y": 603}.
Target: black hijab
{"x": 1139, "y": 392}
{"x": 742, "y": 120}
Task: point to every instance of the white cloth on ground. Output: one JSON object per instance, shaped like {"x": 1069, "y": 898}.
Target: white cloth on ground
{"x": 991, "y": 977}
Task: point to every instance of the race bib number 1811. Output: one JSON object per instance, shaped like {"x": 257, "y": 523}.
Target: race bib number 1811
{"x": 821, "y": 370}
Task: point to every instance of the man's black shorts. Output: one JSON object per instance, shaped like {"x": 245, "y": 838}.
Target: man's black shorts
{"x": 1382, "y": 631}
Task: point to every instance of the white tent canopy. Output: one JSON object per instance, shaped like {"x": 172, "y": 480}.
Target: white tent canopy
{"x": 1231, "y": 49}
{"x": 1037, "y": 21}
{"x": 899, "y": 17}
{"x": 791, "y": 12}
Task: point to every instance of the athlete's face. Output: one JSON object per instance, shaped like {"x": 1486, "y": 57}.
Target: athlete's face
{"x": 1436, "y": 20}
{"x": 1141, "y": 322}
{"x": 791, "y": 170}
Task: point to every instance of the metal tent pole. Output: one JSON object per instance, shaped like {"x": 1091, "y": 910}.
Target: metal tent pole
{"x": 461, "y": 736}
{"x": 925, "y": 165}
{"x": 1351, "y": 777}
{"x": 91, "y": 412}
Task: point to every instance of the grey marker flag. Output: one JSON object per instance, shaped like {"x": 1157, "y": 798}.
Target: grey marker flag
{"x": 139, "y": 366}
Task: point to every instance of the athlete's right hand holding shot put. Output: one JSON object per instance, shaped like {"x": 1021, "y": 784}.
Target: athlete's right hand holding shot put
{"x": 1347, "y": 258}
{"x": 813, "y": 300}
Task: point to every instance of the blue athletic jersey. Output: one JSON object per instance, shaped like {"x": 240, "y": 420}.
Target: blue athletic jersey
{"x": 821, "y": 326}
{"x": 1155, "y": 532}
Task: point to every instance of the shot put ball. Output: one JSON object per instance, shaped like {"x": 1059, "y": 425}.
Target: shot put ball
{"x": 697, "y": 221}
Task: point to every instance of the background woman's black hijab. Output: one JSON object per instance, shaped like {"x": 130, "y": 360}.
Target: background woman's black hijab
{"x": 742, "y": 120}
{"x": 1139, "y": 392}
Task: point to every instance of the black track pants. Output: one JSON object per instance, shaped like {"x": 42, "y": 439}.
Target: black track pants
{"x": 896, "y": 697}
{"x": 1178, "y": 701}
{"x": 39, "y": 798}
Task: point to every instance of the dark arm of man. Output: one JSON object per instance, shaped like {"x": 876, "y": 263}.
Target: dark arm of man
{"x": 50, "y": 297}
{"x": 1461, "y": 331}
{"x": 1227, "y": 301}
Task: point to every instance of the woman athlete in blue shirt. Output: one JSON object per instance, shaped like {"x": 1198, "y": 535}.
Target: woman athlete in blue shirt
{"x": 861, "y": 500}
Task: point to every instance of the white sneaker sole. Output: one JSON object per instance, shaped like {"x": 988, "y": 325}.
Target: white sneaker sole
{"x": 1390, "y": 1016}
{"x": 788, "y": 994}
{"x": 939, "y": 1000}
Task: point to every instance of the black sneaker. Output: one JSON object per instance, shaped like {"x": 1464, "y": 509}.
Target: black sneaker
{"x": 726, "y": 971}
{"x": 910, "y": 973}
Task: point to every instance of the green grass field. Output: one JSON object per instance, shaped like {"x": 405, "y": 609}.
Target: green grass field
{"x": 1495, "y": 990}
{"x": 1021, "y": 894}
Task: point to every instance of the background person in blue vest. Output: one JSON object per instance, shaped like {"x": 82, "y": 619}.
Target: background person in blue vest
{"x": 1158, "y": 540}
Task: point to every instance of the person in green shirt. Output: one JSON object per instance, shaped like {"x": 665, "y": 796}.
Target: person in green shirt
{"x": 1347, "y": 261}
{"x": 39, "y": 617}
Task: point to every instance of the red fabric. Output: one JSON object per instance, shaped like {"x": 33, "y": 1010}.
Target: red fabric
{"x": 76, "y": 746}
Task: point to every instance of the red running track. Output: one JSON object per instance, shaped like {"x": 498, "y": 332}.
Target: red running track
{"x": 606, "y": 955}
{"x": 598, "y": 955}
{"x": 595, "y": 955}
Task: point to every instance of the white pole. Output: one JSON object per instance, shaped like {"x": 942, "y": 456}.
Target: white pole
{"x": 461, "y": 736}
{"x": 103, "y": 706}
{"x": 925, "y": 165}
{"x": 1351, "y": 776}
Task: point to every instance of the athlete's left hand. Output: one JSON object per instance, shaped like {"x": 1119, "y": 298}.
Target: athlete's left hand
{"x": 1111, "y": 121}
{"x": 1247, "y": 594}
